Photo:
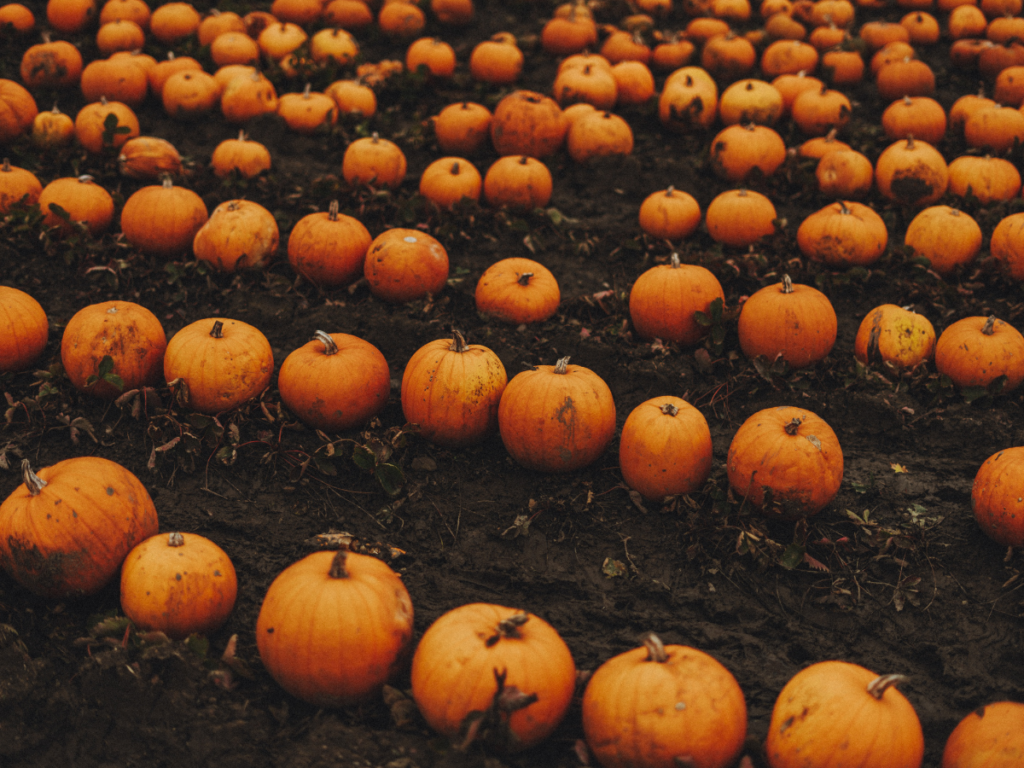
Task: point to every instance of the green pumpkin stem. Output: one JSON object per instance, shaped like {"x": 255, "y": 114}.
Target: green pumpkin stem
{"x": 878, "y": 686}
{"x": 990, "y": 326}
{"x": 175, "y": 540}
{"x": 330, "y": 348}
{"x": 562, "y": 365}
{"x": 217, "y": 332}
{"x": 655, "y": 648}
{"x": 338, "y": 570}
{"x": 458, "y": 342}
{"x": 508, "y": 627}
{"x": 33, "y": 482}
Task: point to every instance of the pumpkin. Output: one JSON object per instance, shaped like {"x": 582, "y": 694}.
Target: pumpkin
{"x": 248, "y": 96}
{"x": 792, "y": 85}
{"x": 405, "y": 264}
{"x": 160, "y": 72}
{"x": 238, "y": 234}
{"x": 70, "y": 16}
{"x": 173, "y": 22}
{"x": 738, "y": 149}
{"x": 589, "y": 84}
{"x": 634, "y": 82}
{"x": 569, "y": 34}
{"x": 989, "y": 179}
{"x": 844, "y": 173}
{"x": 333, "y": 45}
{"x": 348, "y": 14}
{"x": 52, "y": 129}
{"x": 451, "y": 389}
{"x": 528, "y": 123}
{"x": 835, "y": 707}
{"x": 129, "y": 334}
{"x": 817, "y": 147}
{"x": 353, "y": 98}
{"x": 665, "y": 299}
{"x": 51, "y": 64}
{"x": 17, "y": 110}
{"x": 665, "y": 448}
{"x": 246, "y": 157}
{"x": 82, "y": 200}
{"x": 785, "y": 462}
{"x": 308, "y": 111}
{"x": 91, "y": 129}
{"x": 17, "y": 17}
{"x": 401, "y": 20}
{"x": 374, "y": 161}
{"x": 297, "y": 11}
{"x": 964, "y": 107}
{"x": 218, "y": 23}
{"x": 234, "y": 48}
{"x": 905, "y": 77}
{"x": 625, "y": 45}
{"x": 519, "y": 183}
{"x": 517, "y": 290}
{"x": 788, "y": 57}
{"x": 148, "y": 157}
{"x": 729, "y": 56}
{"x": 794, "y": 321}
{"x": 65, "y": 531}
{"x": 128, "y": 10}
{"x": 335, "y": 382}
{"x": 894, "y": 335}
{"x": 453, "y": 11}
{"x": 449, "y": 180}
{"x": 497, "y": 61}
{"x": 818, "y": 112}
{"x": 920, "y": 116}
{"x": 179, "y": 584}
{"x": 989, "y": 737}
{"x": 948, "y": 238}
{"x": 844, "y": 234}
{"x": 556, "y": 418}
{"x": 120, "y": 35}
{"x": 688, "y": 100}
{"x": 117, "y": 80}
{"x": 750, "y": 101}
{"x": 975, "y": 351}
{"x": 224, "y": 363}
{"x": 669, "y": 214}
{"x": 17, "y": 185}
{"x": 481, "y": 658}
{"x": 24, "y": 330}
{"x": 463, "y": 128}
{"x": 162, "y": 220}
{"x": 661, "y": 706}
{"x": 740, "y": 217}
{"x": 996, "y": 499}
{"x": 911, "y": 172}
{"x": 329, "y": 248}
{"x": 334, "y": 628}
{"x": 435, "y": 56}
{"x": 672, "y": 53}
{"x": 187, "y": 94}
{"x": 1007, "y": 245}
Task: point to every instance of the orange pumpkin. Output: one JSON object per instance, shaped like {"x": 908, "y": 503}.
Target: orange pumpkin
{"x": 173, "y": 22}
{"x": 660, "y": 706}
{"x": 948, "y": 238}
{"x": 334, "y": 628}
{"x": 497, "y": 61}
{"x": 70, "y": 16}
{"x": 51, "y": 64}
{"x": 449, "y": 180}
{"x": 665, "y": 299}
{"x": 179, "y": 584}
{"x": 117, "y": 80}
{"x": 689, "y": 100}
{"x": 249, "y": 158}
{"x": 52, "y": 129}
{"x": 740, "y": 217}
{"x": 451, "y": 389}
{"x": 996, "y": 499}
{"x": 843, "y": 234}
{"x": 248, "y": 96}
{"x": 307, "y": 112}
{"x": 911, "y": 172}
{"x": 740, "y": 149}
{"x": 665, "y": 448}
{"x": 335, "y": 382}
{"x": 82, "y": 200}
{"x": 162, "y": 220}
{"x": 669, "y": 214}
{"x": 375, "y": 161}
{"x": 329, "y": 248}
{"x": 475, "y": 653}
{"x": 556, "y": 418}
{"x": 239, "y": 234}
{"x": 517, "y": 290}
{"x": 17, "y": 110}
{"x": 976, "y": 351}
{"x": 990, "y": 737}
{"x": 24, "y": 330}
{"x": 91, "y": 129}
{"x": 1007, "y": 245}
{"x": 65, "y": 531}
{"x": 129, "y": 334}
{"x": 190, "y": 94}
{"x": 519, "y": 183}
{"x": 354, "y": 99}
{"x": 405, "y": 264}
{"x": 835, "y": 707}
{"x": 796, "y": 322}
{"x": 17, "y": 185}
{"x": 528, "y": 123}
{"x": 148, "y": 157}
{"x": 894, "y": 335}
{"x": 463, "y": 128}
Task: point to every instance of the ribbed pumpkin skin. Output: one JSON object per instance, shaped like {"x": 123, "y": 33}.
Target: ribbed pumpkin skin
{"x": 24, "y": 330}
{"x": 178, "y": 590}
{"x": 328, "y": 249}
{"x": 973, "y": 359}
{"x": 996, "y": 498}
{"x": 632, "y": 716}
{"x": 453, "y": 671}
{"x": 452, "y": 392}
{"x": 334, "y": 642}
{"x": 825, "y": 718}
{"x": 894, "y": 335}
{"x": 661, "y": 454}
{"x": 72, "y": 537}
{"x": 163, "y": 220}
{"x": 843, "y": 234}
{"x": 801, "y": 325}
{"x": 992, "y": 736}
{"x": 501, "y": 295}
{"x": 665, "y": 298}
{"x": 221, "y": 373}
{"x": 335, "y": 392}
{"x": 552, "y": 422}
{"x": 801, "y": 471}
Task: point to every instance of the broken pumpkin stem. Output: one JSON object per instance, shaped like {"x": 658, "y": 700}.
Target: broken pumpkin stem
{"x": 338, "y": 570}
{"x": 330, "y": 348}
{"x": 878, "y": 686}
{"x": 787, "y": 284}
{"x": 793, "y": 426}
{"x": 175, "y": 540}
{"x": 509, "y": 627}
{"x": 166, "y": 182}
{"x": 458, "y": 342}
{"x": 990, "y": 326}
{"x": 524, "y": 279}
{"x": 655, "y": 648}
{"x": 33, "y": 482}
{"x": 562, "y": 365}
{"x": 332, "y": 211}
{"x": 217, "y": 332}
{"x": 669, "y": 409}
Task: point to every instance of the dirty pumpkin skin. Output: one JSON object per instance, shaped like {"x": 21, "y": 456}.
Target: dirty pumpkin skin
{"x": 894, "y": 335}
{"x": 556, "y": 418}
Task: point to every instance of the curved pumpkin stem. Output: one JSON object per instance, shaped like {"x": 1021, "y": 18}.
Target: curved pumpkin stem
{"x": 33, "y": 482}
{"x": 655, "y": 648}
{"x": 217, "y": 332}
{"x": 330, "y": 348}
{"x": 562, "y": 365}
{"x": 793, "y": 426}
{"x": 332, "y": 211}
{"x": 458, "y": 342}
{"x": 524, "y": 279}
{"x": 307, "y": 91}
{"x": 338, "y": 570}
{"x": 669, "y": 409}
{"x": 878, "y": 686}
{"x": 787, "y": 284}
{"x": 990, "y": 326}
{"x": 85, "y": 179}
{"x": 175, "y": 540}
{"x": 910, "y": 141}
{"x": 508, "y": 627}
{"x": 843, "y": 210}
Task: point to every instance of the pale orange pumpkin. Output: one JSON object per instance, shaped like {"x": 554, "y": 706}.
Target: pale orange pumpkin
{"x": 894, "y": 335}
{"x": 238, "y": 234}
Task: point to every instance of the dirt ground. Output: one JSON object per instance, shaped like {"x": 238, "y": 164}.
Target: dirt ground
{"x": 894, "y": 574}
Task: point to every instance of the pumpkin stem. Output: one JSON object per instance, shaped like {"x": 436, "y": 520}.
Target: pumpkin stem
{"x": 33, "y": 482}
{"x": 175, "y": 540}
{"x": 330, "y": 348}
{"x": 669, "y": 409}
{"x": 217, "y": 332}
{"x": 375, "y": 137}
{"x": 166, "y": 183}
{"x": 910, "y": 141}
{"x": 674, "y": 261}
{"x": 524, "y": 279}
{"x": 241, "y": 136}
{"x": 455, "y": 168}
{"x": 338, "y": 570}
{"x": 524, "y": 160}
{"x": 6, "y": 168}
{"x": 830, "y": 136}
{"x": 990, "y": 326}
{"x": 458, "y": 342}
{"x": 842, "y": 208}
{"x": 787, "y": 284}
{"x": 332, "y": 211}
{"x": 508, "y": 627}
{"x": 669, "y": 191}
{"x": 562, "y": 365}
{"x": 84, "y": 179}
{"x": 877, "y": 686}
{"x": 655, "y": 648}
{"x": 307, "y": 90}
{"x": 793, "y": 426}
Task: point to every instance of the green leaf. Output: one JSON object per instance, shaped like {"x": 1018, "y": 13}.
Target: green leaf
{"x": 325, "y": 466}
{"x": 792, "y": 557}
{"x": 974, "y": 393}
{"x": 106, "y": 366}
{"x": 390, "y": 478}
{"x": 198, "y": 645}
{"x": 364, "y": 458}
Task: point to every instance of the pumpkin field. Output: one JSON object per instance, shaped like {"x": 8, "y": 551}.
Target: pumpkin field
{"x": 465, "y": 383}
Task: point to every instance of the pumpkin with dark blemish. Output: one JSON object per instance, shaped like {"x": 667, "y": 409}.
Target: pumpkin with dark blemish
{"x": 991, "y": 736}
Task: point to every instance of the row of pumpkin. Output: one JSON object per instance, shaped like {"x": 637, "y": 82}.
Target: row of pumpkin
{"x": 335, "y": 627}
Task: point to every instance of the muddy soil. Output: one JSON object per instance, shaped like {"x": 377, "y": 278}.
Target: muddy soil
{"x": 894, "y": 574}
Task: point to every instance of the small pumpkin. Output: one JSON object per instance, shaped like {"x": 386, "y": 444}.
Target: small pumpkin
{"x": 70, "y": 16}
{"x": 894, "y": 335}
{"x": 517, "y": 290}
{"x": 51, "y": 64}
{"x": 449, "y": 180}
{"x": 844, "y": 234}
{"x": 82, "y": 200}
{"x": 91, "y": 128}
{"x": 837, "y": 707}
{"x": 435, "y": 56}
{"x": 845, "y": 174}
{"x": 975, "y": 351}
{"x": 665, "y": 299}
{"x": 665, "y": 448}
{"x": 401, "y": 20}
{"x": 463, "y": 128}
{"x": 329, "y": 248}
{"x": 750, "y": 101}
{"x": 216, "y": 24}
{"x": 374, "y": 161}
{"x": 989, "y": 737}
{"x": 740, "y": 149}
{"x": 451, "y": 389}
{"x": 497, "y": 61}
{"x": 17, "y": 110}
{"x": 556, "y": 418}
{"x": 307, "y": 112}
{"x": 179, "y": 584}
{"x": 519, "y": 183}
{"x": 333, "y": 45}
{"x": 334, "y": 628}
{"x": 794, "y": 321}
{"x": 248, "y": 96}
{"x": 162, "y": 220}
{"x": 989, "y": 179}
{"x": 173, "y": 22}
{"x": 148, "y": 157}
{"x": 239, "y": 234}
{"x": 190, "y": 94}
{"x": 911, "y": 172}
{"x": 17, "y": 185}
{"x": 920, "y": 116}
{"x": 335, "y": 382}
{"x": 1007, "y": 245}
{"x": 52, "y": 129}
{"x": 117, "y": 80}
{"x": 405, "y": 264}
{"x": 948, "y": 238}
{"x": 476, "y": 652}
{"x": 24, "y": 330}
{"x": 740, "y": 217}
{"x": 242, "y": 155}
{"x": 354, "y": 98}
{"x": 65, "y": 531}
{"x": 688, "y": 100}
{"x": 669, "y": 214}
{"x": 528, "y": 123}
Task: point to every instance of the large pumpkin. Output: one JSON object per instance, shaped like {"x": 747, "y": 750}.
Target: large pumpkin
{"x": 663, "y": 706}
{"x": 334, "y": 628}
{"x": 473, "y": 653}
{"x": 996, "y": 497}
{"x": 528, "y": 123}
{"x": 785, "y": 461}
{"x": 451, "y": 389}
{"x": 975, "y": 351}
{"x": 556, "y": 418}
{"x": 992, "y": 736}
{"x": 66, "y": 530}
{"x": 837, "y": 708}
